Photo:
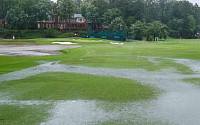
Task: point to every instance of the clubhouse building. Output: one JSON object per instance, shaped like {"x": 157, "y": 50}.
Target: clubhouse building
{"x": 77, "y": 22}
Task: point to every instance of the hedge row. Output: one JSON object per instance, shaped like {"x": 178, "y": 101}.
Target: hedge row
{"x": 47, "y": 33}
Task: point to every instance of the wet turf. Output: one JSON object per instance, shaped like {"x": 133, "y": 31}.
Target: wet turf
{"x": 65, "y": 86}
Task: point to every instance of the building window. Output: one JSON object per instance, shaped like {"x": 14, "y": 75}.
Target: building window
{"x": 49, "y": 25}
{"x": 58, "y": 26}
{"x": 52, "y": 25}
{"x": 46, "y": 25}
{"x": 61, "y": 19}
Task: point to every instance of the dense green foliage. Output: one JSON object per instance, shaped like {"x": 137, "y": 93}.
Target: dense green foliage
{"x": 182, "y": 17}
{"x": 16, "y": 18}
{"x": 150, "y": 30}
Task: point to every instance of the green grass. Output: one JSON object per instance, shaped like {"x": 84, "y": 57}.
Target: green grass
{"x": 66, "y": 86}
{"x": 195, "y": 81}
{"x": 139, "y": 121}
{"x": 23, "y": 115}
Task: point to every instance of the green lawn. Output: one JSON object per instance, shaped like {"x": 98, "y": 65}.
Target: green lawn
{"x": 23, "y": 114}
{"x": 66, "y": 86}
{"x": 195, "y": 81}
{"x": 94, "y": 53}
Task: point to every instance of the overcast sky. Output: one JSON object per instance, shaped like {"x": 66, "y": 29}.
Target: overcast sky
{"x": 195, "y": 1}
{"x": 192, "y": 1}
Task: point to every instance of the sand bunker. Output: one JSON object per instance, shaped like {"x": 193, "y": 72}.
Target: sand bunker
{"x": 116, "y": 43}
{"x": 64, "y": 43}
{"x": 31, "y": 49}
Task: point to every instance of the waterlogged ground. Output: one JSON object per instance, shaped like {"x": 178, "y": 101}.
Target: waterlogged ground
{"x": 177, "y": 104}
{"x": 165, "y": 87}
{"x": 30, "y": 49}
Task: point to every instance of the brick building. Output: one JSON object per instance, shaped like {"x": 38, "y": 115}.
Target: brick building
{"x": 198, "y": 35}
{"x": 1, "y": 22}
{"x": 78, "y": 22}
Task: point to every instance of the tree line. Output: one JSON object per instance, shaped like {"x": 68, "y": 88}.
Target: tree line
{"x": 150, "y": 18}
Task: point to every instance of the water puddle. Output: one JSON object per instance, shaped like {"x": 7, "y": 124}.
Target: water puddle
{"x": 179, "y": 104}
{"x": 21, "y": 49}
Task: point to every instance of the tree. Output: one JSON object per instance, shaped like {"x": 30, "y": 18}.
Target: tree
{"x": 111, "y": 14}
{"x": 42, "y": 12}
{"x": 137, "y": 10}
{"x": 118, "y": 24}
{"x": 66, "y": 10}
{"x": 4, "y": 7}
{"x": 150, "y": 30}
{"x": 175, "y": 27}
{"x": 77, "y": 4}
{"x": 35, "y": 10}
{"x": 157, "y": 29}
{"x": 130, "y": 20}
{"x": 189, "y": 27}
{"x": 84, "y": 7}
{"x": 92, "y": 14}
{"x": 125, "y": 6}
{"x": 16, "y": 18}
{"x": 139, "y": 29}
{"x": 101, "y": 6}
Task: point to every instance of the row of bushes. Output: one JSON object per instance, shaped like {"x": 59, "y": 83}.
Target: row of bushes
{"x": 47, "y": 33}
{"x": 51, "y": 33}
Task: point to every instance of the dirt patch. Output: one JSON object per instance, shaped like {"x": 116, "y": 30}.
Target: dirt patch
{"x": 31, "y": 49}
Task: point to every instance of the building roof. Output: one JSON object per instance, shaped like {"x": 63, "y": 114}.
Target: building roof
{"x": 78, "y": 16}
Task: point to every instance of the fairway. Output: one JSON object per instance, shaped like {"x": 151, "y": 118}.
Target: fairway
{"x": 98, "y": 83}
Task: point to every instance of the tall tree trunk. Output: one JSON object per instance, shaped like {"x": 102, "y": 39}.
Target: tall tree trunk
{"x": 69, "y": 17}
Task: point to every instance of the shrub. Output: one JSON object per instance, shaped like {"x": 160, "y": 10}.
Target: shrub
{"x": 65, "y": 35}
{"x": 6, "y": 33}
{"x": 51, "y": 33}
{"x": 83, "y": 33}
{"x": 30, "y": 34}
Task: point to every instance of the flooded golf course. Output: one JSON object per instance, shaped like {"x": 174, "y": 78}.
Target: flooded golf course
{"x": 177, "y": 104}
{"x": 31, "y": 49}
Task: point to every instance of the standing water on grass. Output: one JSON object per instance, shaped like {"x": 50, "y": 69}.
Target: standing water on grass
{"x": 178, "y": 104}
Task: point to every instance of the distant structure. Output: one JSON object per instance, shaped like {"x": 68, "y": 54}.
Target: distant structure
{"x": 77, "y": 22}
{"x": 198, "y": 35}
{"x": 118, "y": 35}
{"x": 2, "y": 22}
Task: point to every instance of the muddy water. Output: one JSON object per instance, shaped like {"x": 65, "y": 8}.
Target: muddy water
{"x": 21, "y": 49}
{"x": 179, "y": 104}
